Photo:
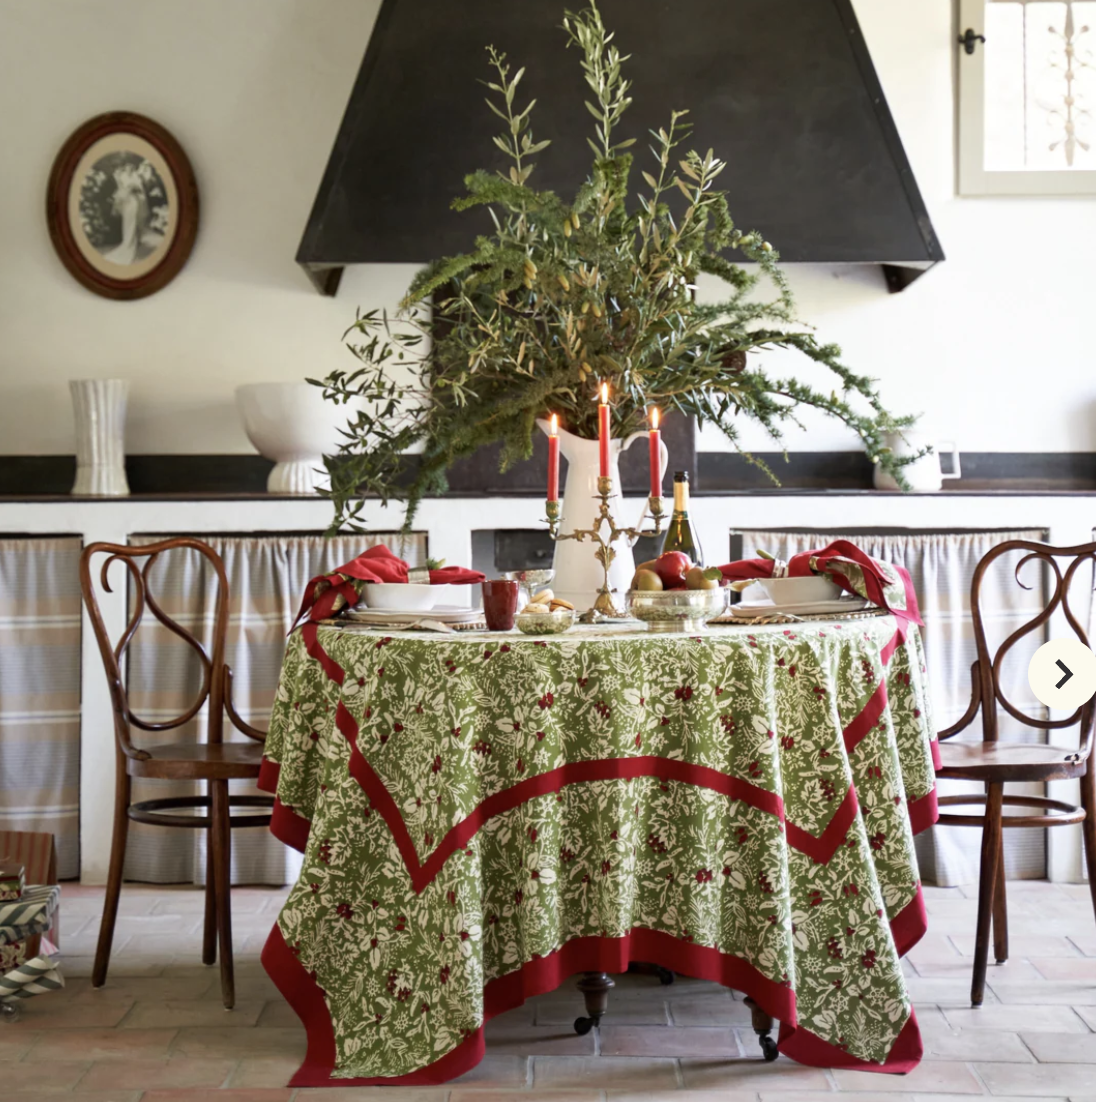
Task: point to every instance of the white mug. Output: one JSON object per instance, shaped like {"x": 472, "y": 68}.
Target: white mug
{"x": 922, "y": 474}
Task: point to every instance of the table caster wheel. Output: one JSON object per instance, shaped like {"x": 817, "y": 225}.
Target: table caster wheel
{"x": 583, "y": 1026}
{"x": 665, "y": 977}
{"x": 768, "y": 1049}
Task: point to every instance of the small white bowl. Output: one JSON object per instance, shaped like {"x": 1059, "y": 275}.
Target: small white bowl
{"x": 800, "y": 591}
{"x": 402, "y": 597}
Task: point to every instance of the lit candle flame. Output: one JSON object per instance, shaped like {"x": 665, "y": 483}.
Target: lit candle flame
{"x": 554, "y": 428}
{"x": 604, "y": 394}
{"x": 654, "y": 417}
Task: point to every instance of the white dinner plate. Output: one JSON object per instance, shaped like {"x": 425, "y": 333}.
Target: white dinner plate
{"x": 447, "y": 614}
{"x": 809, "y": 608}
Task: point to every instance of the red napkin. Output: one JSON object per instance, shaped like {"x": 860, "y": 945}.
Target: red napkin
{"x": 884, "y": 584}
{"x": 328, "y": 593}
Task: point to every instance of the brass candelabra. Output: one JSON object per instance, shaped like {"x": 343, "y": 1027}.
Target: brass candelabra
{"x": 604, "y": 608}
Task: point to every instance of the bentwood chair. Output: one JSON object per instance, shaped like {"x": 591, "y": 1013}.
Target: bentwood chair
{"x": 996, "y": 763}
{"x": 215, "y": 761}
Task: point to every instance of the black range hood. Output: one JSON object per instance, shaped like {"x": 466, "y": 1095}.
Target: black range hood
{"x": 783, "y": 90}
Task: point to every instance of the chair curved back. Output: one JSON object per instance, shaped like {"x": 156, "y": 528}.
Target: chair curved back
{"x": 986, "y": 671}
{"x": 212, "y": 664}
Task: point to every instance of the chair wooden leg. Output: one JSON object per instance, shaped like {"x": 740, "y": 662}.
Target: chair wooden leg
{"x": 114, "y": 874}
{"x": 209, "y": 934}
{"x": 222, "y": 877}
{"x": 1088, "y": 827}
{"x": 1000, "y": 911}
{"x": 987, "y": 880}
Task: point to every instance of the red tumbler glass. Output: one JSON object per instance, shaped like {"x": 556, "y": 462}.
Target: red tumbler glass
{"x": 500, "y": 604}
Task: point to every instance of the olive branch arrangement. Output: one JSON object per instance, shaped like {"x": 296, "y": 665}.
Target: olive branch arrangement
{"x": 565, "y": 294}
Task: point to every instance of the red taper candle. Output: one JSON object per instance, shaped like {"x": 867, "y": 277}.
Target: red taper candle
{"x": 656, "y": 455}
{"x": 553, "y": 459}
{"x": 603, "y": 430}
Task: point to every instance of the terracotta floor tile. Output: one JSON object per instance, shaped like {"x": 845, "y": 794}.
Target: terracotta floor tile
{"x": 43, "y": 1014}
{"x": 377, "y": 1094}
{"x": 1047, "y": 992}
{"x": 258, "y": 1095}
{"x": 178, "y": 1014}
{"x": 265, "y": 1071}
{"x": 1046, "y": 1080}
{"x": 830, "y": 1096}
{"x": 711, "y": 1011}
{"x": 40, "y": 1075}
{"x": 101, "y": 1044}
{"x": 1016, "y": 1019}
{"x": 561, "y": 1013}
{"x": 975, "y": 1044}
{"x": 90, "y": 1096}
{"x": 752, "y": 1074}
{"x": 640, "y": 1095}
{"x": 667, "y": 1041}
{"x": 239, "y": 1043}
{"x": 1065, "y": 1048}
{"x": 499, "y": 1071}
{"x": 173, "y": 1072}
{"x": 616, "y": 1072}
{"x": 186, "y": 900}
{"x": 276, "y": 1013}
{"x": 132, "y": 989}
{"x": 77, "y": 964}
{"x": 1016, "y": 970}
{"x": 16, "y": 1039}
{"x": 1066, "y": 968}
{"x": 472, "y": 1094}
{"x": 1022, "y": 948}
{"x": 929, "y": 1077}
{"x": 952, "y": 991}
{"x": 519, "y": 1039}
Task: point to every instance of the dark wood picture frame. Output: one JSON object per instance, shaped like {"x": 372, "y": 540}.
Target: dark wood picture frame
{"x": 185, "y": 215}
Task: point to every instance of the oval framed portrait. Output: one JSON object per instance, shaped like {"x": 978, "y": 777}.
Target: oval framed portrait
{"x": 122, "y": 205}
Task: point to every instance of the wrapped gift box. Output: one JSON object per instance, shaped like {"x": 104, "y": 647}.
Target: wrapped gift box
{"x": 37, "y": 854}
{"x": 12, "y": 879}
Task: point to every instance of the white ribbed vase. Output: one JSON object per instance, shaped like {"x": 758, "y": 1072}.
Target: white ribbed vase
{"x": 99, "y": 406}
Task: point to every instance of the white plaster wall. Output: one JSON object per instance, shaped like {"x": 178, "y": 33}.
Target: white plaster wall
{"x": 992, "y": 346}
{"x": 254, "y": 90}
{"x": 989, "y": 346}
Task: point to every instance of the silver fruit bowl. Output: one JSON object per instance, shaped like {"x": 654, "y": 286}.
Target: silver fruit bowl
{"x": 685, "y": 610}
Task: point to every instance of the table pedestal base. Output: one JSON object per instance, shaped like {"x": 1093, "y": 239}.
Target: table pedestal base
{"x": 763, "y": 1027}
{"x": 595, "y": 988}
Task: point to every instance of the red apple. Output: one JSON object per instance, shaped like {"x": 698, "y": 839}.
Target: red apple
{"x": 672, "y": 568}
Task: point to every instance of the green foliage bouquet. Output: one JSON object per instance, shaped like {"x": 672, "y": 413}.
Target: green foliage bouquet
{"x": 564, "y": 295}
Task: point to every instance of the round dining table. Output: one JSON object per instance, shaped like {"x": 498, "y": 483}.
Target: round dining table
{"x": 484, "y": 815}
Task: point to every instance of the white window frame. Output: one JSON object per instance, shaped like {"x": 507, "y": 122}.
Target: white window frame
{"x": 974, "y": 180}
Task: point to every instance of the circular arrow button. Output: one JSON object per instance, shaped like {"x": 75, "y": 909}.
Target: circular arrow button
{"x": 1062, "y": 673}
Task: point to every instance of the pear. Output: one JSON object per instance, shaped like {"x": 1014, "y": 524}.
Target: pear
{"x": 699, "y": 578}
{"x": 646, "y": 581}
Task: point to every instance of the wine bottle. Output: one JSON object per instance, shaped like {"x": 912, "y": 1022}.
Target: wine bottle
{"x": 680, "y": 535}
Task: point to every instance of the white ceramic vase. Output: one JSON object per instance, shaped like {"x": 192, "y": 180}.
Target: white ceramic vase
{"x": 578, "y": 574}
{"x": 99, "y": 406}
{"x": 925, "y": 474}
{"x": 292, "y": 424}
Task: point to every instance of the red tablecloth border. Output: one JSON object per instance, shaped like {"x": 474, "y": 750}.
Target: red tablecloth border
{"x": 591, "y": 954}
{"x": 588, "y": 954}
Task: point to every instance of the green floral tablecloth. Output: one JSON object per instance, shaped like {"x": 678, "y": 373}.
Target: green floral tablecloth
{"x": 482, "y": 815}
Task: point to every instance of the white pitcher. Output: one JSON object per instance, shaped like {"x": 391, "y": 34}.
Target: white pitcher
{"x": 923, "y": 474}
{"x": 578, "y": 574}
